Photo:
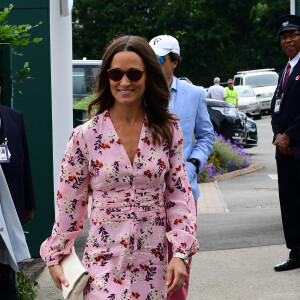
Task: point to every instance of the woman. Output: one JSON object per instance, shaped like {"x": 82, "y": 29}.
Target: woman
{"x": 127, "y": 152}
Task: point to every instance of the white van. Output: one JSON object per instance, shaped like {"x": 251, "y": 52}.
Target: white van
{"x": 263, "y": 83}
{"x": 84, "y": 77}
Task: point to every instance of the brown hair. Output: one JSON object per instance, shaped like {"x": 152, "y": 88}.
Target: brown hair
{"x": 156, "y": 95}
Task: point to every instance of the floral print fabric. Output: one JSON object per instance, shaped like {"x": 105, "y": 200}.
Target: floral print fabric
{"x": 125, "y": 252}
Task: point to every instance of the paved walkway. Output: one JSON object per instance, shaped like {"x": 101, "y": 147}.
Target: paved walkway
{"x": 235, "y": 274}
{"x": 243, "y": 274}
{"x": 211, "y": 200}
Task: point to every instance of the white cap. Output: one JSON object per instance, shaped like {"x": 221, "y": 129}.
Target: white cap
{"x": 164, "y": 44}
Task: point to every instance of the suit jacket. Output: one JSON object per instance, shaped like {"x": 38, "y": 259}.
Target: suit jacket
{"x": 288, "y": 119}
{"x": 13, "y": 247}
{"x": 188, "y": 102}
{"x": 18, "y": 171}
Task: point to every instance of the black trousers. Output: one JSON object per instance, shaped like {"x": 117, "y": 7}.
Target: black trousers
{"x": 7, "y": 283}
{"x": 288, "y": 169}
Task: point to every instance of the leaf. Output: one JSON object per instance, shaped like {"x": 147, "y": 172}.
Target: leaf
{"x": 23, "y": 74}
{"x": 17, "y": 35}
{"x": 24, "y": 42}
{"x": 37, "y": 40}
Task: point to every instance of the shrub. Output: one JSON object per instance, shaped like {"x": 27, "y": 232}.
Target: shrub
{"x": 83, "y": 103}
{"x": 225, "y": 157}
{"x": 25, "y": 289}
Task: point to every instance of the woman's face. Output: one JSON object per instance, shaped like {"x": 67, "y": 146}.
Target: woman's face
{"x": 126, "y": 91}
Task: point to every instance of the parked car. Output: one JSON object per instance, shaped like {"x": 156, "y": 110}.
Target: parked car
{"x": 248, "y": 102}
{"x": 263, "y": 82}
{"x": 232, "y": 124}
{"x": 251, "y": 138}
{"x": 84, "y": 77}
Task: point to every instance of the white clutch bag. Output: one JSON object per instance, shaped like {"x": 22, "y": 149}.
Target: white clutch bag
{"x": 76, "y": 274}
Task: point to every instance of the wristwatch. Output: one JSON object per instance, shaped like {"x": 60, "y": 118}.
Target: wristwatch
{"x": 196, "y": 163}
{"x": 183, "y": 256}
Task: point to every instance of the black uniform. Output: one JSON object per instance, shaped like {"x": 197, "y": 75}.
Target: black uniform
{"x": 288, "y": 166}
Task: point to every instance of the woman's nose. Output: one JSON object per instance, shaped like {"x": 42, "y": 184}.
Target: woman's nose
{"x": 125, "y": 80}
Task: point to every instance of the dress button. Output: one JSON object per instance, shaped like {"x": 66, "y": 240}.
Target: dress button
{"x": 1, "y": 229}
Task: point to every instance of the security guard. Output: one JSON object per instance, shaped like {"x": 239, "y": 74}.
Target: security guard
{"x": 231, "y": 94}
{"x": 285, "y": 110}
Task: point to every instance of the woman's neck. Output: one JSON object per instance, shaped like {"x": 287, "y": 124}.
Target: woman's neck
{"x": 127, "y": 113}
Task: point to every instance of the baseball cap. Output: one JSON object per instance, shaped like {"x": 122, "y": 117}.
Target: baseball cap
{"x": 287, "y": 22}
{"x": 164, "y": 44}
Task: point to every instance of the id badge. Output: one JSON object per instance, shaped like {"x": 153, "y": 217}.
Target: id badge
{"x": 277, "y": 105}
{"x": 4, "y": 154}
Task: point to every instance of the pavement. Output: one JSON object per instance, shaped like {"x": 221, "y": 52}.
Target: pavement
{"x": 232, "y": 274}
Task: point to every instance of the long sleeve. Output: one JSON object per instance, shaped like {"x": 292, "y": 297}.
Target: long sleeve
{"x": 180, "y": 205}
{"x": 209, "y": 93}
{"x": 28, "y": 183}
{"x": 294, "y": 129}
{"x": 72, "y": 200}
{"x": 274, "y": 119}
{"x": 204, "y": 133}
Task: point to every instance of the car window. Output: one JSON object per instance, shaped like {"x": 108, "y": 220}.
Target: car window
{"x": 236, "y": 81}
{"x": 245, "y": 92}
{"x": 261, "y": 80}
{"x": 95, "y": 71}
{"x": 84, "y": 79}
{"x": 79, "y": 86}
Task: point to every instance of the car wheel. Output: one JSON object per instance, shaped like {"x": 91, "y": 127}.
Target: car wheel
{"x": 257, "y": 117}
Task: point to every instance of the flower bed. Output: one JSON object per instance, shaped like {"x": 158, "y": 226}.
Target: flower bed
{"x": 225, "y": 157}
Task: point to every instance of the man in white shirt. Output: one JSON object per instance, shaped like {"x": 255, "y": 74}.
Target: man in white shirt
{"x": 216, "y": 91}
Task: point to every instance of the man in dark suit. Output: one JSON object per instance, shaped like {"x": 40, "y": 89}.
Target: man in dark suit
{"x": 285, "y": 110}
{"x": 17, "y": 173}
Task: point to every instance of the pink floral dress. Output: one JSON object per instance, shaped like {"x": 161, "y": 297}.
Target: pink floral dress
{"x": 125, "y": 252}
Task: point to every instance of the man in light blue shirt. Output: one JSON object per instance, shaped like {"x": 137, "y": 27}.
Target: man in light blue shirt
{"x": 189, "y": 104}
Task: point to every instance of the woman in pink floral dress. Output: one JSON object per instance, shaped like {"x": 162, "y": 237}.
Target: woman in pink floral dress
{"x": 131, "y": 155}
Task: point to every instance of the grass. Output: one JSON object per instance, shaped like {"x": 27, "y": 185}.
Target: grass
{"x": 82, "y": 104}
{"x": 225, "y": 157}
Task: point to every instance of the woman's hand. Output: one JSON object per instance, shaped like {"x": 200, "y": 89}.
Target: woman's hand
{"x": 58, "y": 276}
{"x": 177, "y": 272}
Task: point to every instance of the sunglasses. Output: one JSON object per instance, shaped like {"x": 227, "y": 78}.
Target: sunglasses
{"x": 133, "y": 75}
{"x": 162, "y": 58}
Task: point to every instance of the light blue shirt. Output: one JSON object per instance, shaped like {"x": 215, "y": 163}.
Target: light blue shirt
{"x": 188, "y": 102}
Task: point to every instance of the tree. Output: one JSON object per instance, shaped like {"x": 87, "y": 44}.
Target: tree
{"x": 267, "y": 43}
{"x": 96, "y": 23}
{"x": 217, "y": 37}
{"x": 17, "y": 35}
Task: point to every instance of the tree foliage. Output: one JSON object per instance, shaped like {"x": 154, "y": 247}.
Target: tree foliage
{"x": 17, "y": 35}
{"x": 217, "y": 37}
